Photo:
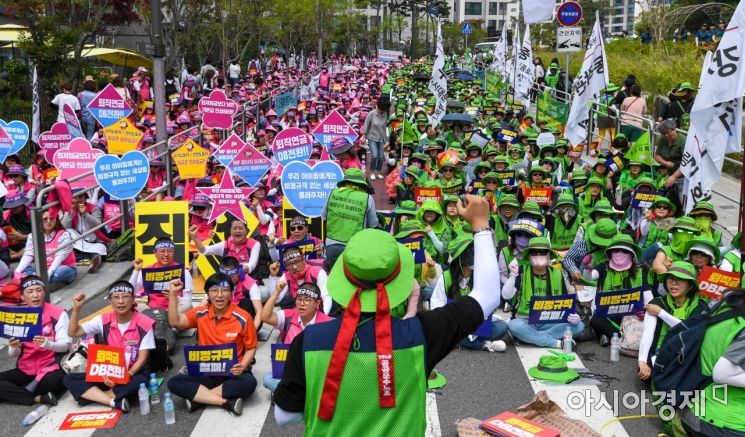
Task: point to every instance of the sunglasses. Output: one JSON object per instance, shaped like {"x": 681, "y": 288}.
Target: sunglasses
{"x": 297, "y": 228}
{"x": 662, "y": 207}
{"x": 539, "y": 252}
{"x": 539, "y": 174}
{"x": 447, "y": 170}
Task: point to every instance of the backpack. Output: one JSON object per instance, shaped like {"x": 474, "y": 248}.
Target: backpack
{"x": 632, "y": 328}
{"x": 261, "y": 271}
{"x": 677, "y": 369}
{"x": 685, "y": 118}
{"x": 165, "y": 340}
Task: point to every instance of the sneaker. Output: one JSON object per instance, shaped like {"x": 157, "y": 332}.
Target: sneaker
{"x": 495, "y": 346}
{"x": 122, "y": 404}
{"x": 234, "y": 406}
{"x": 604, "y": 340}
{"x": 95, "y": 263}
{"x": 193, "y": 406}
{"x": 372, "y": 177}
{"x": 49, "y": 399}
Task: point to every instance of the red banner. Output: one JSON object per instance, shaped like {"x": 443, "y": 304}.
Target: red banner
{"x": 541, "y": 196}
{"x": 712, "y": 282}
{"x": 91, "y": 419}
{"x": 510, "y": 424}
{"x": 106, "y": 361}
{"x": 427, "y": 193}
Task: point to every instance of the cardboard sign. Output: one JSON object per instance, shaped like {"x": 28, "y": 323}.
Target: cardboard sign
{"x": 479, "y": 139}
{"x": 91, "y": 420}
{"x": 575, "y": 152}
{"x": 388, "y": 218}
{"x": 212, "y": 360}
{"x": 308, "y": 188}
{"x": 229, "y": 149}
{"x": 154, "y": 220}
{"x": 316, "y": 225}
{"x": 509, "y": 424}
{"x": 23, "y": 323}
{"x": 217, "y": 110}
{"x": 279, "y": 358}
{"x": 545, "y": 138}
{"x": 72, "y": 122}
{"x": 292, "y": 144}
{"x": 6, "y": 143}
{"x": 427, "y": 193}
{"x": 106, "y": 361}
{"x": 506, "y": 135}
{"x": 473, "y": 111}
{"x": 122, "y": 136}
{"x": 643, "y": 199}
{"x": 250, "y": 164}
{"x": 712, "y": 282}
{"x": 18, "y": 132}
{"x": 54, "y": 139}
{"x": 226, "y": 197}
{"x": 122, "y": 178}
{"x": 157, "y": 279}
{"x": 619, "y": 303}
{"x": 284, "y": 102}
{"x": 78, "y": 158}
{"x": 108, "y": 107}
{"x": 191, "y": 160}
{"x": 541, "y": 196}
{"x": 529, "y": 226}
{"x": 332, "y": 126}
{"x": 550, "y": 309}
{"x": 416, "y": 246}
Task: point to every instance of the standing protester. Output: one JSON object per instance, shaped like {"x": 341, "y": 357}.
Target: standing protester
{"x": 374, "y": 133}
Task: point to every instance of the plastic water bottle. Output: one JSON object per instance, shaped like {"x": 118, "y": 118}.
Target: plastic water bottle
{"x": 35, "y": 415}
{"x": 144, "y": 396}
{"x": 154, "y": 396}
{"x": 615, "y": 347}
{"x": 567, "y": 342}
{"x": 168, "y": 409}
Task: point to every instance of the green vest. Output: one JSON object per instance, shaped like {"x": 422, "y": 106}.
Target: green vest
{"x": 455, "y": 187}
{"x": 563, "y": 237}
{"x": 617, "y": 281}
{"x": 346, "y": 212}
{"x": 736, "y": 265}
{"x": 655, "y": 235}
{"x": 528, "y": 281}
{"x": 728, "y": 416}
{"x": 672, "y": 255}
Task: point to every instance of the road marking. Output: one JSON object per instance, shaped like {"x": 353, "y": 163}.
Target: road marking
{"x": 50, "y": 423}
{"x": 216, "y": 421}
{"x": 433, "y": 419}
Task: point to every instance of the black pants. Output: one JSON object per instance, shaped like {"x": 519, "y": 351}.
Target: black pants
{"x": 233, "y": 387}
{"x": 604, "y": 326}
{"x": 14, "y": 381}
{"x": 76, "y": 383}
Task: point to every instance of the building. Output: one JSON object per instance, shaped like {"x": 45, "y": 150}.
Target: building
{"x": 493, "y": 13}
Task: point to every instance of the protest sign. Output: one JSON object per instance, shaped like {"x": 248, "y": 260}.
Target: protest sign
{"x": 316, "y": 225}
{"x": 155, "y": 220}
{"x": 283, "y": 102}
{"x": 292, "y": 144}
{"x": 211, "y": 360}
{"x": 217, "y": 110}
{"x": 250, "y": 164}
{"x": 479, "y": 139}
{"x": 106, "y": 361}
{"x": 308, "y": 188}
{"x": 712, "y": 281}
{"x": 226, "y": 197}
{"x": 209, "y": 265}
{"x": 18, "y": 131}
{"x": 191, "y": 160}
{"x": 541, "y": 196}
{"x": 157, "y": 279}
{"x": 506, "y": 177}
{"x": 643, "y": 199}
{"x": 575, "y": 152}
{"x": 529, "y": 226}
{"x": 509, "y": 424}
{"x": 388, "y": 218}
{"x": 389, "y": 55}
{"x": 614, "y": 162}
{"x": 72, "y": 122}
{"x": 54, "y": 139}
{"x": 332, "y": 126}
{"x": 279, "y": 358}
{"x": 545, "y": 138}
{"x": 551, "y": 110}
{"x": 506, "y": 135}
{"x": 473, "y": 111}
{"x": 6, "y": 144}
{"x": 229, "y": 149}
{"x": 422, "y": 194}
{"x": 91, "y": 420}
{"x": 122, "y": 178}
{"x": 550, "y": 309}
{"x": 23, "y": 323}
{"x": 416, "y": 246}
{"x": 108, "y": 107}
{"x": 123, "y": 136}
{"x": 619, "y": 303}
{"x": 76, "y": 159}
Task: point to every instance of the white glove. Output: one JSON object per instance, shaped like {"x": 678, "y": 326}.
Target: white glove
{"x": 574, "y": 318}
{"x": 514, "y": 268}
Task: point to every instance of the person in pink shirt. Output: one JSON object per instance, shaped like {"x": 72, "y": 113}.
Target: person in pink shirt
{"x": 343, "y": 150}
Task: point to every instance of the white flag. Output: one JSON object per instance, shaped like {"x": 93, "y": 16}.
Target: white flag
{"x": 500, "y": 54}
{"x": 512, "y": 62}
{"x": 525, "y": 70}
{"x": 537, "y": 11}
{"x": 35, "y": 108}
{"x": 590, "y": 81}
{"x": 438, "y": 84}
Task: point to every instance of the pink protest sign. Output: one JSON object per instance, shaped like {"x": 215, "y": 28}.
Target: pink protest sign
{"x": 292, "y": 144}
{"x": 334, "y": 125}
{"x": 217, "y": 110}
{"x": 250, "y": 165}
{"x": 6, "y": 143}
{"x": 227, "y": 197}
{"x": 54, "y": 139}
{"x": 108, "y": 107}
{"x": 229, "y": 149}
{"x": 72, "y": 122}
{"x": 76, "y": 159}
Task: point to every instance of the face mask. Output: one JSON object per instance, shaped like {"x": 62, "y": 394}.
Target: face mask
{"x": 539, "y": 260}
{"x": 620, "y": 261}
{"x": 703, "y": 223}
{"x": 680, "y": 241}
{"x": 521, "y": 242}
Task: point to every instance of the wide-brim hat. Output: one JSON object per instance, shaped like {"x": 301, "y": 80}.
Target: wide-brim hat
{"x": 705, "y": 245}
{"x": 565, "y": 198}
{"x": 409, "y": 228}
{"x": 602, "y": 233}
{"x": 461, "y": 242}
{"x": 700, "y": 208}
{"x": 624, "y": 241}
{"x": 553, "y": 368}
{"x": 339, "y": 145}
{"x": 407, "y": 207}
{"x": 579, "y": 175}
{"x": 14, "y": 199}
{"x": 685, "y": 224}
{"x": 612, "y": 87}
{"x": 662, "y": 200}
{"x": 508, "y": 200}
{"x": 602, "y": 206}
{"x": 354, "y": 176}
{"x": 17, "y": 170}
{"x": 541, "y": 243}
{"x": 370, "y": 257}
{"x": 200, "y": 200}
{"x": 683, "y": 270}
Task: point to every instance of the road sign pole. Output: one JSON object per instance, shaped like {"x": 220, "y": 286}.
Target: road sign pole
{"x": 466, "y": 48}
{"x": 567, "y": 68}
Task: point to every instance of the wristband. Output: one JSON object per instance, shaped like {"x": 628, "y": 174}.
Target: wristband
{"x": 476, "y": 231}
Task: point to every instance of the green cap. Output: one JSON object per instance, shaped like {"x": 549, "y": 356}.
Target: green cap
{"x": 408, "y": 228}
{"x": 412, "y": 171}
{"x": 624, "y": 241}
{"x": 531, "y": 208}
{"x": 682, "y": 270}
{"x": 579, "y": 175}
{"x": 685, "y": 224}
{"x": 353, "y": 176}
{"x": 553, "y": 368}
{"x": 704, "y": 244}
{"x": 508, "y": 200}
{"x": 459, "y": 244}
{"x": 534, "y": 169}
{"x": 704, "y": 207}
{"x": 595, "y": 181}
{"x": 602, "y": 233}
{"x": 491, "y": 176}
{"x": 407, "y": 207}
{"x": 662, "y": 200}
{"x": 565, "y": 198}
{"x": 646, "y": 180}
{"x": 602, "y": 206}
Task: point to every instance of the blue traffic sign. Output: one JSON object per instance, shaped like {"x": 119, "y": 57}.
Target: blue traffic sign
{"x": 466, "y": 29}
{"x": 569, "y": 13}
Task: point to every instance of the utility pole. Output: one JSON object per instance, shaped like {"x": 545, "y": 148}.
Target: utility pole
{"x": 159, "y": 87}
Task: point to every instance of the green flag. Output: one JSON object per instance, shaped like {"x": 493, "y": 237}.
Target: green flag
{"x": 408, "y": 134}
{"x": 640, "y": 150}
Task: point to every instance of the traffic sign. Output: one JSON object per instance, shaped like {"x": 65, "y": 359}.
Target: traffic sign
{"x": 569, "y": 14}
{"x": 466, "y": 29}
{"x": 568, "y": 39}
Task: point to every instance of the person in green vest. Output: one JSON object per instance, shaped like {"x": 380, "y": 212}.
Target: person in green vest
{"x": 476, "y": 185}
{"x": 561, "y": 158}
{"x": 682, "y": 232}
{"x": 507, "y": 210}
{"x": 702, "y": 252}
{"x": 653, "y": 229}
{"x": 552, "y": 76}
{"x": 721, "y": 358}
{"x": 594, "y": 192}
{"x": 520, "y": 233}
{"x": 704, "y": 214}
{"x": 563, "y": 222}
{"x": 490, "y": 153}
{"x": 448, "y": 182}
{"x": 621, "y": 273}
{"x": 452, "y": 219}
{"x": 630, "y": 176}
{"x": 420, "y": 128}
{"x": 349, "y": 209}
{"x": 516, "y": 156}
{"x": 420, "y": 161}
{"x": 535, "y": 276}
{"x": 731, "y": 261}
{"x": 405, "y": 188}
{"x": 578, "y": 181}
{"x": 433, "y": 149}
{"x": 383, "y": 389}
{"x": 587, "y": 253}
{"x": 405, "y": 211}
{"x": 599, "y": 170}
{"x": 430, "y": 217}
{"x": 547, "y": 151}
{"x": 491, "y": 189}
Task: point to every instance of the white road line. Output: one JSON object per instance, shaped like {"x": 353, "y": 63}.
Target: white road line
{"x": 217, "y": 422}
{"x": 433, "y": 419}
{"x": 50, "y": 423}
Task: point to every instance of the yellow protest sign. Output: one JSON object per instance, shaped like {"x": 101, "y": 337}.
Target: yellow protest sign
{"x": 191, "y": 160}
{"x": 122, "y": 136}
{"x": 154, "y": 220}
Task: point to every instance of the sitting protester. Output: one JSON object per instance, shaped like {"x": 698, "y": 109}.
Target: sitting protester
{"x": 164, "y": 250}
{"x": 238, "y": 245}
{"x": 61, "y": 264}
{"x": 246, "y": 293}
{"x": 300, "y": 271}
{"x": 82, "y": 217}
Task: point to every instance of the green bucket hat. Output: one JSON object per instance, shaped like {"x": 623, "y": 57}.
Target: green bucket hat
{"x": 547, "y": 148}
{"x": 455, "y": 145}
{"x": 407, "y": 207}
{"x": 541, "y": 243}
{"x": 459, "y": 244}
{"x": 596, "y": 181}
{"x": 501, "y": 158}
{"x": 602, "y": 206}
{"x": 662, "y": 200}
{"x": 491, "y": 176}
{"x": 703, "y": 207}
{"x": 535, "y": 168}
{"x": 602, "y": 233}
{"x": 624, "y": 241}
{"x": 531, "y": 208}
{"x": 686, "y": 86}
{"x": 412, "y": 171}
{"x": 553, "y": 368}
{"x": 371, "y": 257}
{"x": 482, "y": 164}
{"x": 612, "y": 88}
{"x": 508, "y": 200}
{"x": 579, "y": 175}
{"x": 409, "y": 228}
{"x": 516, "y": 147}
{"x": 685, "y": 224}
{"x": 565, "y": 198}
{"x": 646, "y": 180}
{"x": 490, "y": 150}
{"x": 682, "y": 270}
{"x": 354, "y": 176}
{"x": 705, "y": 245}
{"x": 420, "y": 156}
{"x": 409, "y": 144}
{"x": 448, "y": 198}
{"x": 600, "y": 161}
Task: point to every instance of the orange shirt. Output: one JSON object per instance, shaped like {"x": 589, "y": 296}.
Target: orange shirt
{"x": 235, "y": 326}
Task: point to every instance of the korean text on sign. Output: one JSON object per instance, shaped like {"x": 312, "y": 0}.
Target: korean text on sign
{"x": 550, "y": 309}
{"x": 22, "y": 323}
{"x": 212, "y": 360}
{"x": 619, "y": 303}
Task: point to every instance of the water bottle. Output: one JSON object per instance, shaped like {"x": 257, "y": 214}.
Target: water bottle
{"x": 615, "y": 347}
{"x": 35, "y": 415}
{"x": 567, "y": 342}
{"x": 168, "y": 409}
{"x": 154, "y": 397}
{"x": 144, "y": 396}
